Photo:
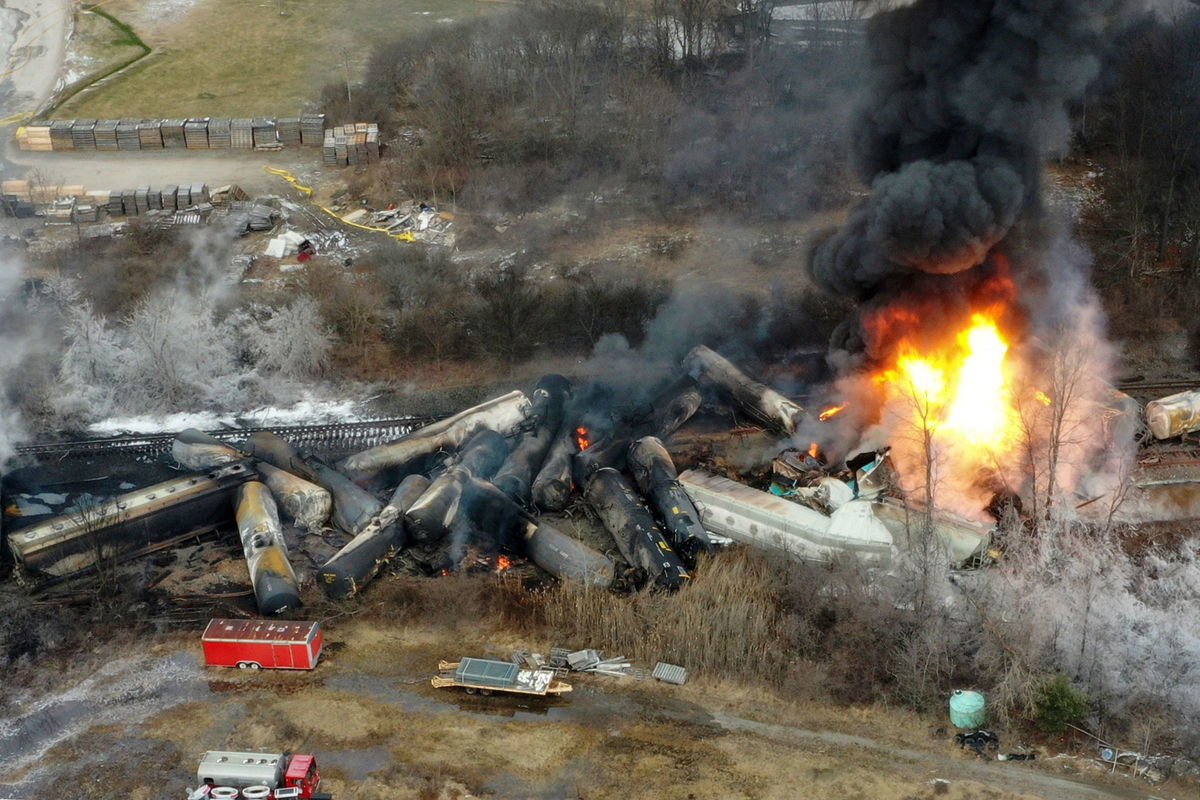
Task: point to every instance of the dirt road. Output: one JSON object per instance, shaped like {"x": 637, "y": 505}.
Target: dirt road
{"x": 126, "y": 170}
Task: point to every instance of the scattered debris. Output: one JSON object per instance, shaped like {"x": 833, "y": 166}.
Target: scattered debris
{"x": 288, "y": 243}
{"x": 670, "y": 673}
{"x": 978, "y": 740}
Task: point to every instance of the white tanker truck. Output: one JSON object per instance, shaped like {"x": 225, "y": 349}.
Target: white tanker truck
{"x": 228, "y": 775}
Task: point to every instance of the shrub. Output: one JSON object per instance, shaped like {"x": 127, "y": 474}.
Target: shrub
{"x": 1058, "y": 704}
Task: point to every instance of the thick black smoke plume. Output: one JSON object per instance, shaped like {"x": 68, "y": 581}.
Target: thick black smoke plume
{"x": 968, "y": 98}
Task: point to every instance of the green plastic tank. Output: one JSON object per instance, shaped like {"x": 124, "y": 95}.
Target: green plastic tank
{"x": 967, "y": 709}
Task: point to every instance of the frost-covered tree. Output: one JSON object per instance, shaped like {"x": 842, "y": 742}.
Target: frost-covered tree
{"x": 291, "y": 341}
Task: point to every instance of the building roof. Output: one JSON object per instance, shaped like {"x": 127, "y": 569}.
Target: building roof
{"x": 258, "y": 630}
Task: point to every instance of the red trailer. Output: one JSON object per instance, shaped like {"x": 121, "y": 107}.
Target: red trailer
{"x": 257, "y": 643}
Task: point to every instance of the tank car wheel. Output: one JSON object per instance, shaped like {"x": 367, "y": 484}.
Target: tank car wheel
{"x": 485, "y": 692}
{"x": 471, "y": 690}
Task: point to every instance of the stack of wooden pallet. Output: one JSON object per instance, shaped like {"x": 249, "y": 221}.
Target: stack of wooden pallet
{"x": 353, "y": 144}
{"x": 35, "y": 136}
{"x": 288, "y": 129}
{"x": 86, "y": 212}
{"x": 312, "y": 129}
{"x": 265, "y": 138}
{"x": 106, "y": 134}
{"x": 242, "y": 134}
{"x": 219, "y": 135}
{"x": 60, "y": 135}
{"x": 172, "y": 133}
{"x": 169, "y": 194}
{"x": 150, "y": 134}
{"x": 195, "y": 133}
{"x": 262, "y": 133}
{"x": 83, "y": 134}
{"x": 128, "y": 137}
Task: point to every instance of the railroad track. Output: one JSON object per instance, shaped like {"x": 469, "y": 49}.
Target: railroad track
{"x": 333, "y": 436}
{"x": 1159, "y": 388}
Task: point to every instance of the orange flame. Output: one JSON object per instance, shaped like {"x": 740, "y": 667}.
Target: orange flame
{"x": 965, "y": 391}
{"x": 581, "y": 438}
{"x": 955, "y": 403}
{"x": 832, "y": 412}
{"x": 814, "y": 450}
{"x": 503, "y": 563}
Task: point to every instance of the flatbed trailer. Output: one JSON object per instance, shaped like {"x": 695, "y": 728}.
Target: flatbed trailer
{"x": 485, "y": 676}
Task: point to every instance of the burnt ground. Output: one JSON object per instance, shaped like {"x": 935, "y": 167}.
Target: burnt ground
{"x": 130, "y": 713}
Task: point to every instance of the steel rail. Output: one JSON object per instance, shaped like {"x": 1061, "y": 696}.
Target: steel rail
{"x": 332, "y": 435}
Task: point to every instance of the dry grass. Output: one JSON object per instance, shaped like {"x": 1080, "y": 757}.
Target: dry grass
{"x": 727, "y": 623}
{"x": 242, "y": 58}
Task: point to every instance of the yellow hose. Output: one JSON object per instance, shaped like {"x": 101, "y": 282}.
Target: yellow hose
{"x": 290, "y": 178}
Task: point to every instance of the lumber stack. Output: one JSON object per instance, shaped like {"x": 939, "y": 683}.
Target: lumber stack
{"x": 219, "y": 133}
{"x": 242, "y": 135}
{"x": 195, "y": 133}
{"x": 352, "y": 145}
{"x": 60, "y": 135}
{"x": 312, "y": 129}
{"x": 172, "y": 133}
{"x": 150, "y": 134}
{"x": 128, "y": 137}
{"x": 35, "y": 136}
{"x": 83, "y": 134}
{"x": 264, "y": 134}
{"x": 106, "y": 134}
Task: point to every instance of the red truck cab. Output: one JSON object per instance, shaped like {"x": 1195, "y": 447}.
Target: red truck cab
{"x": 302, "y": 774}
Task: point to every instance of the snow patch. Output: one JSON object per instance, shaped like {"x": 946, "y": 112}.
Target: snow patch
{"x": 305, "y": 412}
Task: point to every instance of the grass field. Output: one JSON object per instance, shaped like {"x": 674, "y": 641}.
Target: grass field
{"x": 244, "y": 58}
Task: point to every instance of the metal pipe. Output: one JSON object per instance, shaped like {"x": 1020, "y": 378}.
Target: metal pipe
{"x": 352, "y": 567}
{"x": 761, "y": 402}
{"x": 275, "y": 586}
{"x": 656, "y": 478}
{"x": 353, "y": 506}
{"x": 637, "y": 536}
{"x": 501, "y": 414}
